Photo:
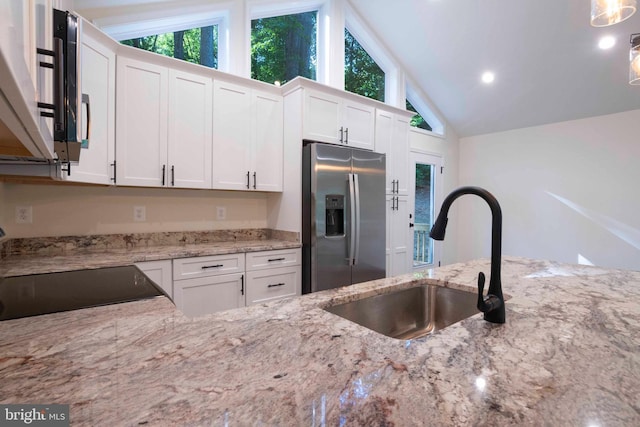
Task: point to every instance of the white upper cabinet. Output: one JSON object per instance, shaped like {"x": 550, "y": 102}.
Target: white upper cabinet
{"x": 392, "y": 138}
{"x": 163, "y": 131}
{"x": 141, "y": 123}
{"x": 190, "y": 130}
{"x": 247, "y": 138}
{"x": 338, "y": 120}
{"x": 98, "y": 81}
{"x": 231, "y": 127}
{"x": 267, "y": 141}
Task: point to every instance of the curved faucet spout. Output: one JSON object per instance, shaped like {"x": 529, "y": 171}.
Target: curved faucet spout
{"x": 493, "y": 304}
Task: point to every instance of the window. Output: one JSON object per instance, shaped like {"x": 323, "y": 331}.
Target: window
{"x": 197, "y": 45}
{"x": 426, "y": 190}
{"x": 284, "y": 47}
{"x": 417, "y": 120}
{"x": 361, "y": 73}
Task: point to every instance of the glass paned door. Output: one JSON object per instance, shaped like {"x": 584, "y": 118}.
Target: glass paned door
{"x": 425, "y": 181}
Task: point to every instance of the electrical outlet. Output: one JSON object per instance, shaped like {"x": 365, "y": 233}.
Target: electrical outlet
{"x": 221, "y": 212}
{"x": 24, "y": 215}
{"x": 139, "y": 213}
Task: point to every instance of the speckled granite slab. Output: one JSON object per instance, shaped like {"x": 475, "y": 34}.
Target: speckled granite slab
{"x": 66, "y": 244}
{"x": 569, "y": 355}
{"x": 47, "y": 255}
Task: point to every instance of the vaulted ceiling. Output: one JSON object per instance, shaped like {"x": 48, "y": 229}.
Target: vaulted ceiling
{"x": 544, "y": 54}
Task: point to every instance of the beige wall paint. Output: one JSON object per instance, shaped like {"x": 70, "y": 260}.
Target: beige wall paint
{"x": 62, "y": 210}
{"x": 568, "y": 191}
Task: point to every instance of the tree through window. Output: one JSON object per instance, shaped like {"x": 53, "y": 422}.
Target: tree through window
{"x": 361, "y": 73}
{"x": 284, "y": 47}
{"x": 197, "y": 45}
{"x": 417, "y": 120}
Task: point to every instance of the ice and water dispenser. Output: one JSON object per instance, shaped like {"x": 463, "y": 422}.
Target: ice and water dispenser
{"x": 334, "y": 215}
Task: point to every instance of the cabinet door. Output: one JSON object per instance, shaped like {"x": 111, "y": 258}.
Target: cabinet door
{"x": 160, "y": 273}
{"x": 141, "y": 123}
{"x": 231, "y": 136}
{"x": 99, "y": 82}
{"x": 206, "y": 295}
{"x": 272, "y": 284}
{"x": 190, "y": 137}
{"x": 399, "y": 237}
{"x": 322, "y": 117}
{"x": 359, "y": 124}
{"x": 267, "y": 142}
{"x": 383, "y": 140}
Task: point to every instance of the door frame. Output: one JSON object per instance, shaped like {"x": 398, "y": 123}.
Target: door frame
{"x": 425, "y": 157}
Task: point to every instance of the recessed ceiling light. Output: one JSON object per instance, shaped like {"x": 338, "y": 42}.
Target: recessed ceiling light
{"x": 607, "y": 42}
{"x": 488, "y": 77}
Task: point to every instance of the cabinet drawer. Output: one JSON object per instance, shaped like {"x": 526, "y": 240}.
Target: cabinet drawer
{"x": 273, "y": 259}
{"x": 187, "y": 268}
{"x": 267, "y": 285}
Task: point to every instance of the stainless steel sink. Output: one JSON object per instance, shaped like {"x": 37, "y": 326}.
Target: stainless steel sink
{"x": 410, "y": 313}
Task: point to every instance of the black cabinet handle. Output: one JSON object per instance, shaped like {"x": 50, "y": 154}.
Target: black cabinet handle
{"x": 204, "y": 267}
{"x": 254, "y": 180}
{"x": 164, "y": 170}
{"x": 346, "y": 133}
{"x": 248, "y": 179}
{"x": 276, "y": 259}
{"x": 173, "y": 176}
{"x": 242, "y": 285}
{"x": 114, "y": 171}
{"x": 275, "y": 285}
{"x": 341, "y": 133}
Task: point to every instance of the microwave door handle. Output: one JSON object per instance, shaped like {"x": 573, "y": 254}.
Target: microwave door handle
{"x": 352, "y": 221}
{"x": 356, "y": 185}
{"x": 58, "y": 91}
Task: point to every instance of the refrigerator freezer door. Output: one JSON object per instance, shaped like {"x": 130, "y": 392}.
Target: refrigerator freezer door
{"x": 369, "y": 168}
{"x": 330, "y": 167}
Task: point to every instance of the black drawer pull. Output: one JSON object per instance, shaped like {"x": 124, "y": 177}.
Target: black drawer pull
{"x": 276, "y": 259}
{"x": 204, "y": 267}
{"x": 275, "y": 285}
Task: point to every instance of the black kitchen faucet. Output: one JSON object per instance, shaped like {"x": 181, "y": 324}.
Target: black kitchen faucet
{"x": 493, "y": 304}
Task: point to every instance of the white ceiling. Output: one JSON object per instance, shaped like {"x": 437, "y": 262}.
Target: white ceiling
{"x": 544, "y": 54}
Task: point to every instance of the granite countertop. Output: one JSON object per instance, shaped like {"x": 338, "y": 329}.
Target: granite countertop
{"x": 49, "y": 255}
{"x": 567, "y": 355}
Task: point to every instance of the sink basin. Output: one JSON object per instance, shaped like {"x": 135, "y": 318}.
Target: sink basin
{"x": 410, "y": 313}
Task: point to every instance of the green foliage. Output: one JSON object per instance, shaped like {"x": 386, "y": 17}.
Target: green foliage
{"x": 361, "y": 73}
{"x": 284, "y": 47}
{"x": 188, "y": 49}
{"x": 417, "y": 120}
{"x": 423, "y": 175}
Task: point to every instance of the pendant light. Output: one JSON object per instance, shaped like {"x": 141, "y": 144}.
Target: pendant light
{"x": 609, "y": 12}
{"x": 634, "y": 58}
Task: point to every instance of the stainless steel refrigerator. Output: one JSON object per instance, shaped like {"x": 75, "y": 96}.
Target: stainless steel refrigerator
{"x": 343, "y": 216}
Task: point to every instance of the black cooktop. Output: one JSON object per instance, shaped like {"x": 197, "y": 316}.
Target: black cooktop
{"x": 36, "y": 294}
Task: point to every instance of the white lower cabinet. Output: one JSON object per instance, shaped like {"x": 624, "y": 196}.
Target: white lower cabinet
{"x": 399, "y": 253}
{"x": 160, "y": 273}
{"x": 197, "y": 297}
{"x": 273, "y": 275}
{"x": 205, "y": 285}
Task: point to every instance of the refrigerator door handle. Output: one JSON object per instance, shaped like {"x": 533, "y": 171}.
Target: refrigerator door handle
{"x": 352, "y": 222}
{"x": 356, "y": 185}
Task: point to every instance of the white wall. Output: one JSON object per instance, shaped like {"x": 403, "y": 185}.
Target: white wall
{"x": 61, "y": 210}
{"x": 446, "y": 147}
{"x": 569, "y": 191}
